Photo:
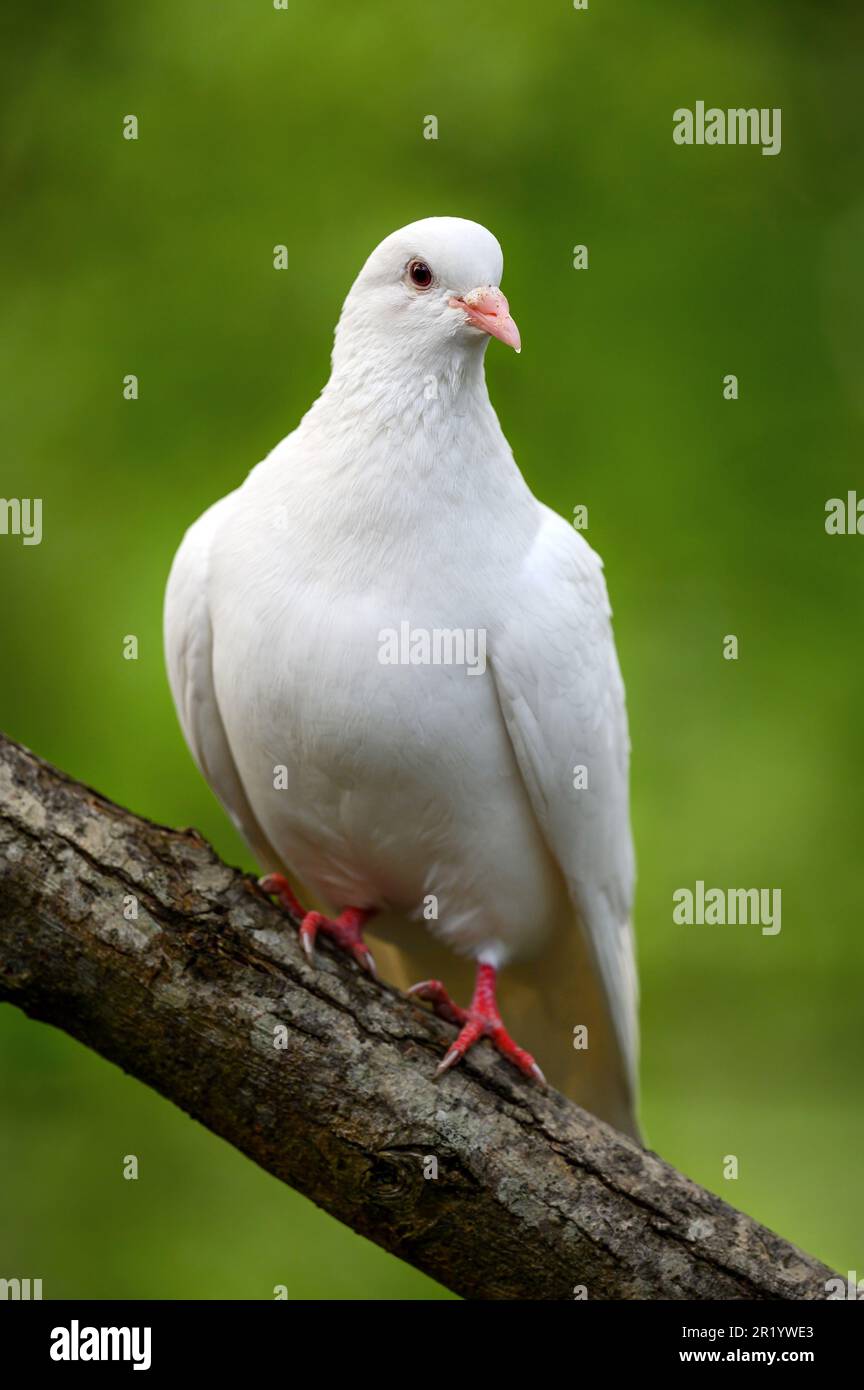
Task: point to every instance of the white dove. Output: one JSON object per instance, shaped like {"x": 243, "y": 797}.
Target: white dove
{"x": 395, "y": 668}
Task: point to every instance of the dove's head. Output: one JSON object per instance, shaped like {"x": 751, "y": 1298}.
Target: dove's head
{"x": 429, "y": 290}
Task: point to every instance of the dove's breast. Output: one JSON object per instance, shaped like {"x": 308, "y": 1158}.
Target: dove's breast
{"x": 366, "y": 730}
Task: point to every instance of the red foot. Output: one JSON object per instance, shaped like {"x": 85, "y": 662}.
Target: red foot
{"x": 346, "y": 930}
{"x": 481, "y": 1020}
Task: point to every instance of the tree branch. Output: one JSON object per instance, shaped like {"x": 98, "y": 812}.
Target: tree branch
{"x": 533, "y": 1197}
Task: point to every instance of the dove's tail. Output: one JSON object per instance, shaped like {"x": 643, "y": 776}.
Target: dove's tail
{"x": 568, "y": 1027}
{"x": 555, "y": 1006}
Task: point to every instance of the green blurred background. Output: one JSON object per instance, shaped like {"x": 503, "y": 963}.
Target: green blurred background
{"x": 304, "y": 127}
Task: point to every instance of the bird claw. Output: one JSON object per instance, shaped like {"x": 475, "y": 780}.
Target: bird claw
{"x": 481, "y": 1020}
{"x": 449, "y": 1060}
{"x": 434, "y": 992}
{"x": 277, "y": 886}
{"x": 345, "y": 931}
{"x": 366, "y": 961}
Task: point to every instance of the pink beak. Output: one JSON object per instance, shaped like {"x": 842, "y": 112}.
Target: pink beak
{"x": 487, "y": 308}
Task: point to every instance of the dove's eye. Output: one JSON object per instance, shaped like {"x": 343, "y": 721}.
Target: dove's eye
{"x": 420, "y": 275}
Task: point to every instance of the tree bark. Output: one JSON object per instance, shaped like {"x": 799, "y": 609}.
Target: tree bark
{"x": 327, "y": 1079}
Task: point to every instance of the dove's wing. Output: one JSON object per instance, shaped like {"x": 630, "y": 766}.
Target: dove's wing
{"x": 189, "y": 658}
{"x": 562, "y": 698}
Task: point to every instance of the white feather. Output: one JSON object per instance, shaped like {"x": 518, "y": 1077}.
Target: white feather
{"x": 384, "y": 785}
